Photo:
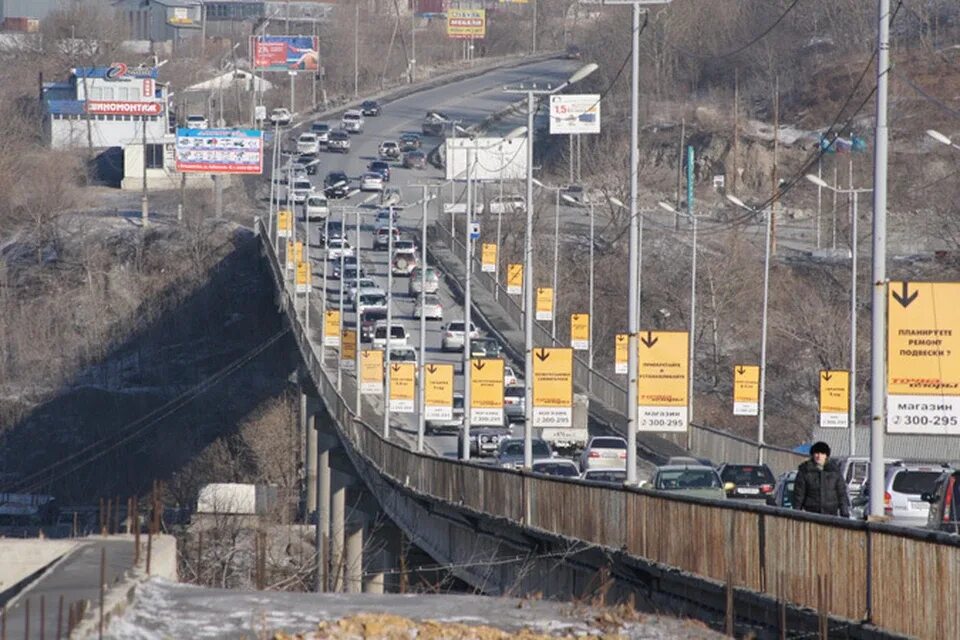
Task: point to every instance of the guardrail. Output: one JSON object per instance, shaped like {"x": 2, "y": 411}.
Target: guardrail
{"x": 902, "y": 581}
{"x": 705, "y": 442}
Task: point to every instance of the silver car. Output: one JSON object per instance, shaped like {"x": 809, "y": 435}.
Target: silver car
{"x": 431, "y": 284}
{"x": 514, "y": 403}
{"x": 604, "y": 452}
{"x": 453, "y": 336}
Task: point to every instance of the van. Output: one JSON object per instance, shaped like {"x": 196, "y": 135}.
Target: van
{"x": 352, "y": 121}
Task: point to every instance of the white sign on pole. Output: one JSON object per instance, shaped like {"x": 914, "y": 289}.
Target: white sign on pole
{"x": 493, "y": 159}
{"x": 575, "y": 114}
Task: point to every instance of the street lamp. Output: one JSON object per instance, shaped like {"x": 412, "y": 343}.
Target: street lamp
{"x": 531, "y": 92}
{"x": 556, "y": 252}
{"x": 763, "y": 321}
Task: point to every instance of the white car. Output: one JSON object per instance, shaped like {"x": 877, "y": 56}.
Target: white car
{"x": 604, "y": 452}
{"x": 507, "y": 204}
{"x": 429, "y": 306}
{"x": 197, "y": 122}
{"x": 403, "y": 354}
{"x": 363, "y": 284}
{"x": 408, "y": 247}
{"x": 280, "y": 116}
{"x": 453, "y": 336}
{"x": 322, "y": 131}
{"x": 315, "y": 207}
{"x": 352, "y": 121}
{"x": 509, "y": 376}
{"x": 338, "y": 246}
{"x": 398, "y": 335}
{"x": 365, "y": 293}
{"x": 371, "y": 182}
{"x": 308, "y": 143}
{"x": 302, "y": 188}
{"x": 389, "y": 150}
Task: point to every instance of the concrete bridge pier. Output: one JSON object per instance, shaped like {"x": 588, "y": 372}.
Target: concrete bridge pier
{"x": 308, "y": 427}
{"x": 353, "y": 562}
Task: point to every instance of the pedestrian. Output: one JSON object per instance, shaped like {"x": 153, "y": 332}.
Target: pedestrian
{"x": 819, "y": 487}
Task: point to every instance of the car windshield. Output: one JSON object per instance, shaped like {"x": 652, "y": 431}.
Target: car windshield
{"x": 540, "y": 448}
{"x": 403, "y": 355}
{"x": 915, "y": 482}
{"x": 558, "y": 469}
{"x": 431, "y": 300}
{"x": 513, "y": 448}
{"x": 455, "y": 326}
{"x": 373, "y": 299}
{"x": 458, "y": 402}
{"x": 514, "y": 392}
{"x": 688, "y": 479}
{"x": 351, "y": 116}
{"x": 747, "y": 475}
{"x": 395, "y": 332}
{"x": 373, "y": 316}
{"x": 316, "y": 202}
{"x": 608, "y": 443}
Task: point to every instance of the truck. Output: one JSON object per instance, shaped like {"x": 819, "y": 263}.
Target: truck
{"x": 571, "y": 440}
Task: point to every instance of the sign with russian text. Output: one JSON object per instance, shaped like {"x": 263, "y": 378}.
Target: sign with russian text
{"x": 574, "y": 114}
{"x": 331, "y": 328}
{"x": 303, "y": 276}
{"x": 227, "y": 151}
{"x": 553, "y": 387}
{"x": 486, "y": 392}
{"x": 348, "y": 349}
{"x": 403, "y": 386}
{"x": 621, "y": 356}
{"x": 285, "y": 53}
{"x": 746, "y": 390}
{"x": 580, "y": 331}
{"x": 123, "y": 108}
{"x": 371, "y": 371}
{"x": 515, "y": 279}
{"x": 544, "y": 304}
{"x": 662, "y": 381}
{"x": 488, "y": 262}
{"x": 835, "y": 399}
{"x": 284, "y": 220}
{"x": 466, "y": 23}
{"x": 438, "y": 392}
{"x": 923, "y": 358}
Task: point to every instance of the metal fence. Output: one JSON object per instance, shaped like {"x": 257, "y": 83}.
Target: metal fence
{"x": 903, "y": 581}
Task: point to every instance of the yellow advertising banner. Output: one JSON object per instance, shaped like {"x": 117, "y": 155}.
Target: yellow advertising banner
{"x": 553, "y": 387}
{"x": 835, "y": 399}
{"x": 515, "y": 279}
{"x": 466, "y": 23}
{"x": 662, "y": 381}
{"x": 303, "y": 277}
{"x": 348, "y": 348}
{"x": 488, "y": 257}
{"x": 298, "y": 251}
{"x": 923, "y": 358}
{"x": 580, "y": 331}
{"x": 284, "y": 223}
{"x": 544, "y": 304}
{"x": 291, "y": 254}
{"x": 621, "y": 361}
{"x": 371, "y": 371}
{"x": 746, "y": 390}
{"x": 438, "y": 391}
{"x": 331, "y": 328}
{"x": 486, "y": 392}
{"x": 403, "y": 386}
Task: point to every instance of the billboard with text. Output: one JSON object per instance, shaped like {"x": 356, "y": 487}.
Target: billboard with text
{"x": 219, "y": 151}
{"x": 285, "y": 53}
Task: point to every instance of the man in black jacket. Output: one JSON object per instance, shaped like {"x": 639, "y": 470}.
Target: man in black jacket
{"x": 819, "y": 487}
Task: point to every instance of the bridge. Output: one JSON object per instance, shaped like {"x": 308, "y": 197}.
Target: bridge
{"x": 510, "y": 531}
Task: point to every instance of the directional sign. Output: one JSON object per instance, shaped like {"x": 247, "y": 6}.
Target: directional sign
{"x": 486, "y": 392}
{"x": 923, "y": 357}
{"x": 553, "y": 387}
{"x": 662, "y": 381}
{"x": 438, "y": 392}
{"x": 746, "y": 390}
{"x": 622, "y": 353}
{"x": 348, "y": 349}
{"x": 544, "y": 303}
{"x": 331, "y": 328}
{"x": 835, "y": 399}
{"x": 291, "y": 254}
{"x": 580, "y": 331}
{"x": 371, "y": 371}
{"x": 515, "y": 279}
{"x": 403, "y": 386}
{"x": 488, "y": 262}
{"x": 474, "y": 230}
{"x": 284, "y": 219}
{"x": 303, "y": 277}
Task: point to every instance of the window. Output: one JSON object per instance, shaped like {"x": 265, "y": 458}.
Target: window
{"x": 154, "y": 156}
{"x": 96, "y": 93}
{"x": 107, "y": 93}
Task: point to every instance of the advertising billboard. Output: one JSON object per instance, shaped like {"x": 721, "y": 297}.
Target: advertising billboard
{"x": 491, "y": 159}
{"x": 285, "y": 53}
{"x": 575, "y": 114}
{"x": 219, "y": 151}
{"x": 123, "y": 108}
{"x": 466, "y": 23}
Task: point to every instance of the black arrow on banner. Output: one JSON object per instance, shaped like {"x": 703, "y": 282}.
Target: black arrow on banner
{"x": 905, "y": 297}
{"x": 621, "y": 337}
{"x": 542, "y": 355}
{"x": 740, "y": 369}
{"x": 395, "y": 367}
{"x": 827, "y": 376}
{"x": 479, "y": 365}
{"x": 649, "y": 340}
{"x": 431, "y": 368}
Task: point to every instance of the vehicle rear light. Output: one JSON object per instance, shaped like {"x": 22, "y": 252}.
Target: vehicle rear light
{"x": 949, "y": 499}
{"x": 766, "y": 488}
{"x": 623, "y": 455}
{"x": 593, "y": 454}
{"x": 887, "y": 499}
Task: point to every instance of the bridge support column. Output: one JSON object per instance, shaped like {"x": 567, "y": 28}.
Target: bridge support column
{"x": 353, "y": 565}
{"x": 323, "y": 520}
{"x": 308, "y": 425}
{"x": 338, "y": 507}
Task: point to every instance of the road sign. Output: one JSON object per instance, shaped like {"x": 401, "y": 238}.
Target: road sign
{"x": 515, "y": 279}
{"x": 438, "y": 392}
{"x": 284, "y": 218}
{"x": 580, "y": 331}
{"x": 488, "y": 261}
{"x": 621, "y": 361}
{"x": 403, "y": 386}
{"x": 835, "y": 399}
{"x": 544, "y": 303}
{"x": 662, "y": 381}
{"x": 553, "y": 387}
{"x": 348, "y": 349}
{"x": 923, "y": 358}
{"x": 486, "y": 392}
{"x": 331, "y": 328}
{"x": 371, "y": 371}
{"x": 474, "y": 230}
{"x": 303, "y": 276}
{"x": 290, "y": 255}
{"x": 746, "y": 390}
{"x": 227, "y": 151}
{"x": 575, "y": 114}
{"x": 466, "y": 23}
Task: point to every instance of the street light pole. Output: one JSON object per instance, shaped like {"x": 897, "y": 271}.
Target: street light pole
{"x": 422, "y": 420}
{"x": 556, "y": 265}
{"x": 389, "y": 329}
{"x": 590, "y": 307}
{"x": 467, "y": 314}
{"x": 356, "y": 328}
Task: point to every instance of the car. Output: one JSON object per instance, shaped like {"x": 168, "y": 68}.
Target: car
{"x": 348, "y": 262}
{"x": 306, "y": 164}
{"x": 370, "y": 315}
{"x": 280, "y": 116}
{"x": 389, "y": 150}
{"x": 298, "y": 192}
{"x": 506, "y": 204}
{"x": 381, "y": 238}
{"x": 514, "y": 404}
{"x": 405, "y": 246}
{"x": 485, "y": 440}
{"x": 402, "y": 354}
{"x": 903, "y": 493}
{"x": 338, "y": 246}
{"x": 364, "y": 284}
{"x": 429, "y": 306}
{"x": 315, "y": 207}
{"x": 434, "y": 123}
{"x": 572, "y": 52}
{"x": 197, "y": 122}
{"x": 750, "y": 481}
{"x": 429, "y": 282}
{"x": 782, "y": 495}
{"x": 371, "y": 182}
{"x": 398, "y": 335}
{"x": 510, "y": 452}
{"x": 308, "y": 143}
{"x": 380, "y": 167}
{"x": 415, "y": 160}
{"x": 604, "y": 452}
{"x": 336, "y": 185}
{"x": 370, "y": 108}
{"x": 560, "y": 467}
{"x": 384, "y": 215}
{"x": 944, "y": 501}
{"x": 486, "y": 347}
{"x": 856, "y": 470}
{"x": 605, "y": 476}
{"x": 338, "y": 141}
{"x": 352, "y": 121}
{"x": 453, "y": 336}
{"x": 322, "y": 130}
{"x": 697, "y": 480}
{"x": 409, "y": 141}
{"x": 403, "y": 263}
{"x": 453, "y": 424}
{"x": 350, "y": 274}
{"x": 333, "y": 229}
{"x": 509, "y": 377}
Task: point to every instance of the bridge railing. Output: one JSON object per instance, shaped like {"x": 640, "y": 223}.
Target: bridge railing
{"x": 901, "y": 580}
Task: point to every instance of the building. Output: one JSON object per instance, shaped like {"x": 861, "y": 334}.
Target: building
{"x": 161, "y": 20}
{"x": 233, "y": 19}
{"x": 28, "y": 8}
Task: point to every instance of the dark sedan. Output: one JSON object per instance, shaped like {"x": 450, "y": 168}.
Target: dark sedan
{"x": 381, "y": 167}
{"x": 370, "y": 108}
{"x": 336, "y": 185}
{"x": 409, "y": 141}
{"x": 415, "y": 160}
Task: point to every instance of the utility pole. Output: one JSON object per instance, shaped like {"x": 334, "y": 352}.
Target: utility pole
{"x": 680, "y": 148}
{"x": 776, "y": 157}
{"x": 144, "y": 203}
{"x": 534, "y": 29}
{"x": 356, "y": 51}
{"x": 467, "y": 314}
{"x": 421, "y": 415}
{"x": 389, "y": 329}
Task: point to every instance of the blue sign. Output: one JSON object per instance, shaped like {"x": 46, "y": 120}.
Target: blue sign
{"x": 219, "y": 151}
